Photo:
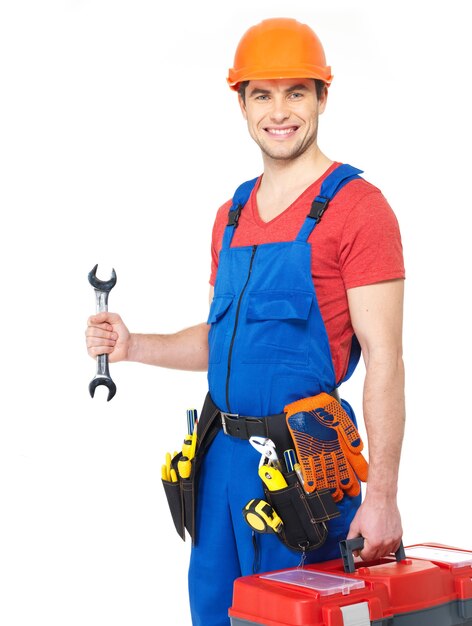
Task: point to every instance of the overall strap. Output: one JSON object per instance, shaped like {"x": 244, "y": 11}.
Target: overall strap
{"x": 241, "y": 196}
{"x": 333, "y": 183}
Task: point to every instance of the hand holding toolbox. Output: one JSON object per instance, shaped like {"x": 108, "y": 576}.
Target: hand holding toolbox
{"x": 349, "y": 546}
{"x": 423, "y": 585}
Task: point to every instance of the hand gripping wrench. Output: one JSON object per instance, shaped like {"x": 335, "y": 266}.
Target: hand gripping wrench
{"x": 102, "y": 289}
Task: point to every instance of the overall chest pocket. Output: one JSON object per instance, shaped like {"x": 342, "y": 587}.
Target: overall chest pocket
{"x": 277, "y": 327}
{"x": 220, "y": 326}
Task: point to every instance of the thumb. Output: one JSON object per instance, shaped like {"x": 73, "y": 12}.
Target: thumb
{"x": 353, "y": 532}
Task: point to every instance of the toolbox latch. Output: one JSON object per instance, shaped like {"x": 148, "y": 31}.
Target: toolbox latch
{"x": 356, "y": 614}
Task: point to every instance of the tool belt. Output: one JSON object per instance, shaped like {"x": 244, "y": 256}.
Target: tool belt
{"x": 272, "y": 426}
{"x": 304, "y": 515}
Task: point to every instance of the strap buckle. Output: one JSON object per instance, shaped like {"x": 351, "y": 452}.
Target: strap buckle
{"x": 224, "y": 417}
{"x": 233, "y": 216}
{"x": 318, "y": 207}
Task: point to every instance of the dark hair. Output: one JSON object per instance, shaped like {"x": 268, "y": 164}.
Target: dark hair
{"x": 319, "y": 85}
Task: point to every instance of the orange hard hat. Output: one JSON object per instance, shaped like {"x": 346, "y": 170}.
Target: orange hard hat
{"x": 279, "y": 48}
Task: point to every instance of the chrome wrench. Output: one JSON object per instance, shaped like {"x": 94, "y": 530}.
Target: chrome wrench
{"x": 102, "y": 289}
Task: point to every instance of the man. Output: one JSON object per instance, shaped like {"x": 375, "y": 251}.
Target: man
{"x": 290, "y": 306}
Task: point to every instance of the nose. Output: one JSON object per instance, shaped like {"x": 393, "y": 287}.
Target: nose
{"x": 280, "y": 110}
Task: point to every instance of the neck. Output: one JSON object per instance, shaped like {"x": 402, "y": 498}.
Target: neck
{"x": 284, "y": 181}
{"x": 283, "y": 175}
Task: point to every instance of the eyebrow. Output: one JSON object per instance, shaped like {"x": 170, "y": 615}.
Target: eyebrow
{"x": 300, "y": 87}
{"x": 258, "y": 91}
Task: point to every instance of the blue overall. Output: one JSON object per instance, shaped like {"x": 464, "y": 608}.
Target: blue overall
{"x": 268, "y": 347}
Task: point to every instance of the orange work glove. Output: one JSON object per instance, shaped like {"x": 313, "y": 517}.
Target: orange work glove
{"x": 328, "y": 445}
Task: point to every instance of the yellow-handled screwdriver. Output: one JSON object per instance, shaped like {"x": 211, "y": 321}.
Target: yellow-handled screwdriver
{"x": 167, "y": 471}
{"x": 184, "y": 466}
{"x": 171, "y": 476}
{"x": 164, "y": 474}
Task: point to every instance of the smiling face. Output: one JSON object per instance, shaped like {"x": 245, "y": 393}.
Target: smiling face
{"x": 282, "y": 115}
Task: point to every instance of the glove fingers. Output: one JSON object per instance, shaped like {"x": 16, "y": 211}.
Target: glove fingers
{"x": 321, "y": 472}
{"x": 336, "y": 485}
{"x": 309, "y": 472}
{"x": 347, "y": 477}
{"x": 351, "y": 485}
{"x": 308, "y": 404}
{"x": 354, "y": 489}
{"x": 331, "y": 471}
{"x": 361, "y": 467}
{"x": 312, "y": 441}
{"x": 345, "y": 426}
{"x": 357, "y": 462}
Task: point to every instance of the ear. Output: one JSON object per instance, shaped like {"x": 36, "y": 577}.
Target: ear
{"x": 242, "y": 107}
{"x": 323, "y": 100}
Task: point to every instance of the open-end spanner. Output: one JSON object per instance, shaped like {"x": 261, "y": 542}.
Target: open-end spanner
{"x": 102, "y": 289}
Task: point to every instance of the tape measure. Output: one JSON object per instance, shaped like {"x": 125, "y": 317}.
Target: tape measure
{"x": 261, "y": 517}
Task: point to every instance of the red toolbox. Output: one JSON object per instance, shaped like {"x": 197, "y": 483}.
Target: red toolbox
{"x": 429, "y": 585}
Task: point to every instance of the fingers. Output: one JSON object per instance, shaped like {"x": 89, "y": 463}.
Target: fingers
{"x": 354, "y": 533}
{"x": 101, "y": 332}
{"x": 375, "y": 546}
{"x": 100, "y": 336}
{"x": 377, "y": 549}
{"x": 101, "y": 344}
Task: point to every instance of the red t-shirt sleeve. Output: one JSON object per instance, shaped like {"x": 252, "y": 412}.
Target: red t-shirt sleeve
{"x": 370, "y": 248}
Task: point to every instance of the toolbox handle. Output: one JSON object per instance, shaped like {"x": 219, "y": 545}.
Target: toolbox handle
{"x": 348, "y": 546}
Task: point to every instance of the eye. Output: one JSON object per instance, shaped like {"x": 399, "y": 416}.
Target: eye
{"x": 296, "y": 95}
{"x": 262, "y": 97}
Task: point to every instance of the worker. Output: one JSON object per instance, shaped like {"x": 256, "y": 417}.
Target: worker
{"x": 306, "y": 274}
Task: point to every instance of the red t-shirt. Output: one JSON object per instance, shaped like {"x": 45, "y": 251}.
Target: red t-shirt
{"x": 357, "y": 242}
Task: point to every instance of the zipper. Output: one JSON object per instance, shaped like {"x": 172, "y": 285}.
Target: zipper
{"x": 231, "y": 345}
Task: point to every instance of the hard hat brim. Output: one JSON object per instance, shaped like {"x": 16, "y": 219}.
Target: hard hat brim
{"x": 235, "y": 78}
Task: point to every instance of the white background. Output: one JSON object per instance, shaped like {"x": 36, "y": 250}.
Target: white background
{"x": 119, "y": 140}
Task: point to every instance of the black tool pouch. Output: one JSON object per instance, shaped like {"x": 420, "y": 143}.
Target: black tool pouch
{"x": 181, "y": 499}
{"x": 181, "y": 495}
{"x": 303, "y": 514}
{"x": 174, "y": 500}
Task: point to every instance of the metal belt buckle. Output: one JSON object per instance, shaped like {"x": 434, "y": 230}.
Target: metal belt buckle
{"x": 223, "y": 419}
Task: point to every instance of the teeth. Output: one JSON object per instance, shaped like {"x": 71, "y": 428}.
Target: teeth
{"x": 280, "y": 131}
